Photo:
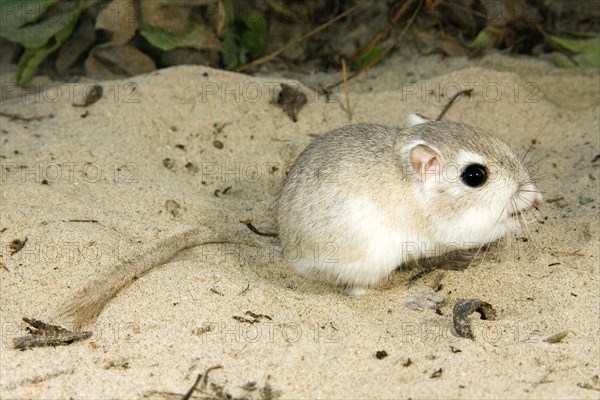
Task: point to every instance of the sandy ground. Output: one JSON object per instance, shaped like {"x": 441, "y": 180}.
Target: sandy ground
{"x": 105, "y": 164}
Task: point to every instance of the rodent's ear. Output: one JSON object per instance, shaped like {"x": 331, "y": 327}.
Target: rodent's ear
{"x": 425, "y": 162}
{"x": 416, "y": 119}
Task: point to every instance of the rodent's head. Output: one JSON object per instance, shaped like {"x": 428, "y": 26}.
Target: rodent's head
{"x": 471, "y": 186}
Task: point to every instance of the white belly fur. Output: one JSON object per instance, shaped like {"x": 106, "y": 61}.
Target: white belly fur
{"x": 365, "y": 231}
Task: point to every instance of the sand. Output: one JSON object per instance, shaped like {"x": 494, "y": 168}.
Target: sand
{"x": 87, "y": 186}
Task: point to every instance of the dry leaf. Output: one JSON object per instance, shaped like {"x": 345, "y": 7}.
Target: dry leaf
{"x": 82, "y": 38}
{"x": 108, "y": 62}
{"x": 118, "y": 18}
{"x": 169, "y": 14}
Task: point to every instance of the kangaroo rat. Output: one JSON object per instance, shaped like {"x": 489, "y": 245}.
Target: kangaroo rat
{"x": 361, "y": 200}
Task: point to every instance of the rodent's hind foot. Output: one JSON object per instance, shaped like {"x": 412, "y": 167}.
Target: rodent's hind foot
{"x": 356, "y": 291}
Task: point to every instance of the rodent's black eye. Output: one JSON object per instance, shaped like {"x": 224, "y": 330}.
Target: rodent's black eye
{"x": 474, "y": 175}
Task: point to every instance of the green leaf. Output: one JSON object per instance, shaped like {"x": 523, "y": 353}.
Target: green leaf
{"x": 588, "y": 60}
{"x": 14, "y": 14}
{"x": 578, "y": 45}
{"x": 243, "y": 38}
{"x": 563, "y": 61}
{"x": 33, "y": 56}
{"x": 30, "y": 60}
{"x": 587, "y": 52}
{"x": 37, "y": 35}
{"x": 372, "y": 54}
{"x": 229, "y": 12}
{"x": 485, "y": 39}
{"x": 231, "y": 55}
{"x": 196, "y": 37}
{"x": 256, "y": 23}
{"x": 253, "y": 38}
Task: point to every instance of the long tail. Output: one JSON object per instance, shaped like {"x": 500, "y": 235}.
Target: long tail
{"x": 88, "y": 304}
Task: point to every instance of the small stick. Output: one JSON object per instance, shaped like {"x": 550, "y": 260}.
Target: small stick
{"x": 189, "y": 393}
{"x": 244, "y": 290}
{"x": 249, "y": 225}
{"x": 18, "y": 117}
{"x": 468, "y": 92}
{"x": 346, "y": 89}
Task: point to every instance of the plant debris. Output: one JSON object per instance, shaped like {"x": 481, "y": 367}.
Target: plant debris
{"x": 255, "y": 318}
{"x": 214, "y": 391}
{"x": 467, "y": 92}
{"x": 419, "y": 301}
{"x": 202, "y": 330}
{"x": 557, "y": 337}
{"x": 204, "y": 382}
{"x": 248, "y": 223}
{"x": 19, "y": 117}
{"x": 92, "y": 94}
{"x": 245, "y": 290}
{"x": 436, "y": 374}
{"x": 192, "y": 167}
{"x": 593, "y": 384}
{"x": 42, "y": 335}
{"x": 436, "y": 285}
{"x": 16, "y": 245}
{"x": 173, "y": 207}
{"x": 291, "y": 99}
{"x": 241, "y": 34}
{"x": 466, "y": 307}
{"x": 218, "y": 192}
{"x": 168, "y": 163}
{"x": 455, "y": 349}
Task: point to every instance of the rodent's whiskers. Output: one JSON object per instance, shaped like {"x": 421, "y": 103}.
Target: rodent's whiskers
{"x": 534, "y": 141}
{"x": 520, "y": 217}
{"x": 529, "y": 191}
{"x": 475, "y": 256}
{"x": 499, "y": 217}
{"x": 536, "y": 162}
{"x": 509, "y": 241}
{"x": 528, "y": 203}
{"x": 538, "y": 178}
{"x": 484, "y": 252}
{"x": 486, "y": 245}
